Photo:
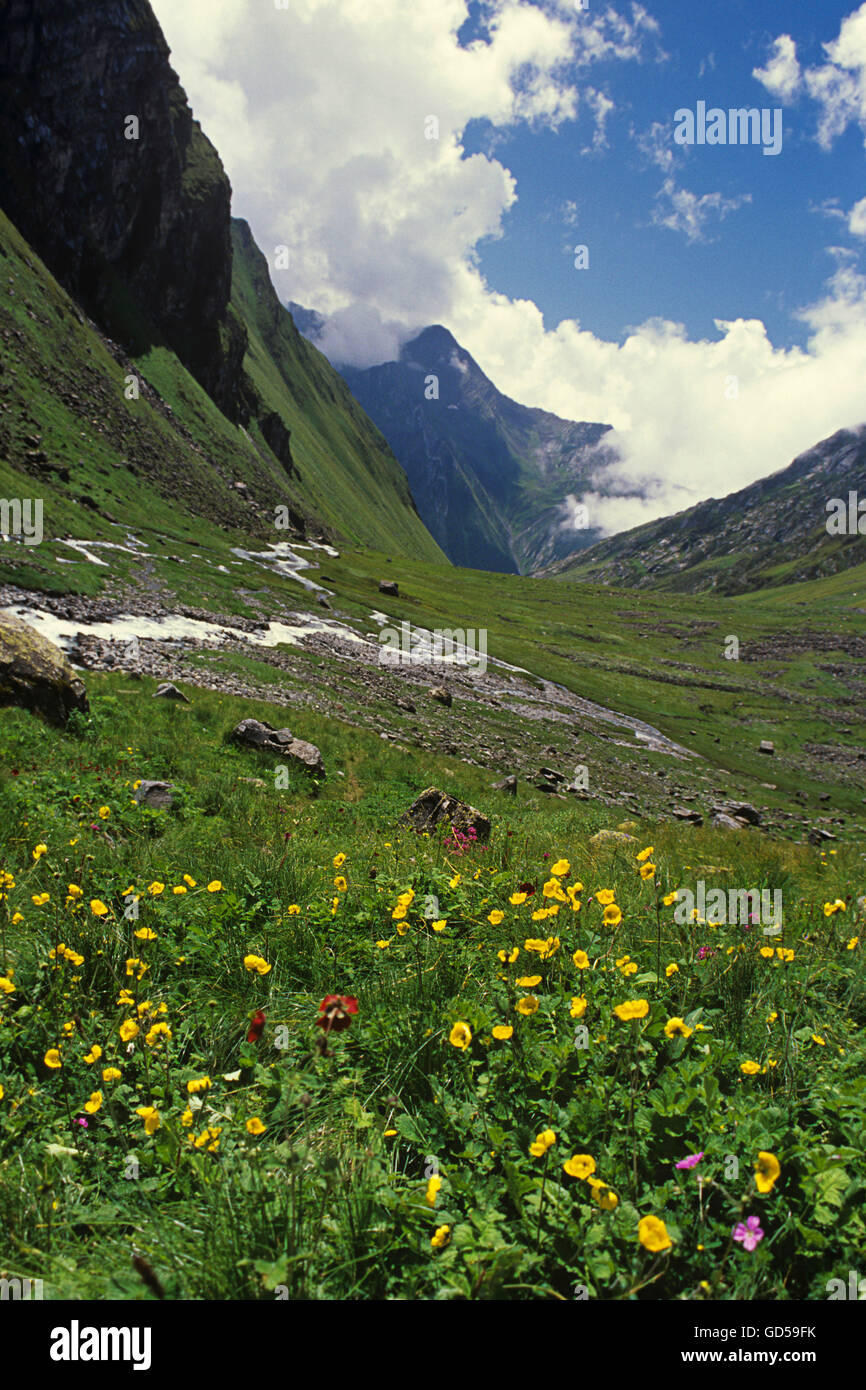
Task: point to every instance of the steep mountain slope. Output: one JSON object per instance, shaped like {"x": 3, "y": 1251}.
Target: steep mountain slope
{"x": 138, "y": 232}
{"x": 343, "y": 468}
{"x": 772, "y": 532}
{"x": 491, "y": 478}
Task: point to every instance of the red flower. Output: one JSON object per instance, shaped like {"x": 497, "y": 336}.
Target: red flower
{"x": 335, "y": 1012}
{"x": 527, "y": 888}
{"x": 256, "y": 1027}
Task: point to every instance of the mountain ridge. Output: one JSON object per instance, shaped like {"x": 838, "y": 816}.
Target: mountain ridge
{"x": 771, "y": 532}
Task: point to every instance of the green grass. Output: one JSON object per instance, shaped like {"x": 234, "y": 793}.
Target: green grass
{"x": 333, "y": 1199}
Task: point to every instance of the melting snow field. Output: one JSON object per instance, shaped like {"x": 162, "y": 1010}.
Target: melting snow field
{"x": 126, "y": 626}
{"x": 281, "y": 559}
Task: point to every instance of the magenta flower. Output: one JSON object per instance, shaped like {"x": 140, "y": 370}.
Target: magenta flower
{"x": 692, "y": 1161}
{"x": 704, "y": 951}
{"x": 749, "y": 1233}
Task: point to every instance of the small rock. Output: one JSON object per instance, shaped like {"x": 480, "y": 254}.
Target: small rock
{"x": 722, "y": 821}
{"x": 765, "y": 746}
{"x": 438, "y": 692}
{"x": 156, "y": 795}
{"x": 509, "y": 786}
{"x": 743, "y": 810}
{"x": 170, "y": 692}
{"x": 817, "y": 836}
{"x": 434, "y": 807}
{"x": 389, "y": 586}
{"x": 684, "y": 814}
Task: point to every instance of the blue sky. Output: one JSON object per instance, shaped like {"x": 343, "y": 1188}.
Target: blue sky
{"x": 765, "y": 258}
{"x": 721, "y": 325}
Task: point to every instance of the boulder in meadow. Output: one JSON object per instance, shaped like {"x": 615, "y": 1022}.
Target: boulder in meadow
{"x": 36, "y": 675}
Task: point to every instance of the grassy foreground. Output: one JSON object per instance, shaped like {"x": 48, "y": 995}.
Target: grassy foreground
{"x": 487, "y": 1124}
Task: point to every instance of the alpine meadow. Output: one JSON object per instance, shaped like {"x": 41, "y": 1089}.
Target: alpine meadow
{"x": 432, "y": 641}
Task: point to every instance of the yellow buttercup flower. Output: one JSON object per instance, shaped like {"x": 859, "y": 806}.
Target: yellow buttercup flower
{"x": 581, "y": 960}
{"x": 155, "y": 888}
{"x": 433, "y": 1187}
{"x": 495, "y": 917}
{"x": 677, "y": 1028}
{"x": 767, "y": 1170}
{"x": 440, "y": 925}
{"x": 255, "y": 1126}
{"x": 750, "y": 1068}
{"x": 652, "y": 1234}
{"x": 94, "y": 1104}
{"x": 6, "y": 985}
{"x": 40, "y": 899}
{"x": 669, "y": 898}
{"x": 502, "y": 1032}
{"x": 74, "y": 891}
{"x": 440, "y": 1237}
{"x": 190, "y": 882}
{"x": 579, "y": 1166}
{"x": 632, "y": 1008}
{"x": 151, "y": 1118}
{"x": 647, "y": 871}
{"x": 528, "y": 981}
{"x": 671, "y": 969}
{"x": 256, "y": 964}
{"x": 510, "y": 956}
{"x": 542, "y": 1142}
{"x": 339, "y": 860}
{"x": 517, "y": 899}
{"x": 561, "y": 868}
{"x": 460, "y": 1036}
{"x": 198, "y": 1083}
{"x": 128, "y": 1030}
{"x": 644, "y": 854}
{"x": 215, "y": 886}
{"x": 52, "y": 1058}
{"x": 611, "y": 915}
{"x": 104, "y": 812}
{"x": 578, "y": 1006}
{"x": 111, "y": 1074}
{"x": 527, "y": 1006}
{"x": 606, "y": 1198}
{"x": 605, "y": 896}
{"x": 93, "y": 1055}
{"x": 145, "y": 934}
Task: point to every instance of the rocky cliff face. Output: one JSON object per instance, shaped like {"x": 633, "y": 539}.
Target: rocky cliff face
{"x": 108, "y": 176}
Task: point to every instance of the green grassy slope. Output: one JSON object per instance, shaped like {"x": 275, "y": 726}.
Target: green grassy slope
{"x": 164, "y": 465}
{"x": 346, "y": 474}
